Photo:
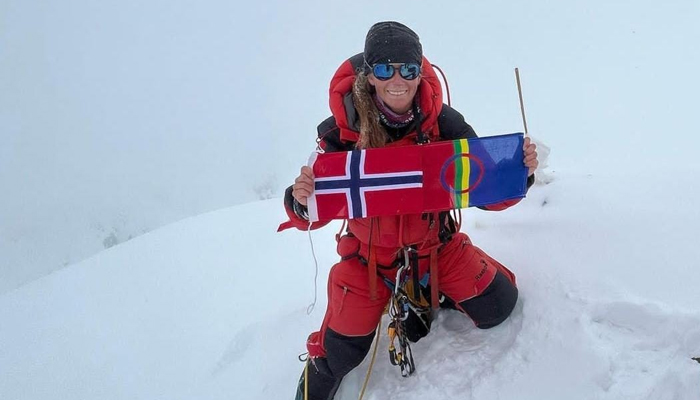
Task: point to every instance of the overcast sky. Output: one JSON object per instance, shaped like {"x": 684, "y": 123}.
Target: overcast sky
{"x": 117, "y": 117}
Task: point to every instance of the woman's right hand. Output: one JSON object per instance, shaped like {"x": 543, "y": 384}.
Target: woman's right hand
{"x": 303, "y": 185}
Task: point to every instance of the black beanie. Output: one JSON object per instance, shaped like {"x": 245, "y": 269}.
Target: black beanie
{"x": 392, "y": 42}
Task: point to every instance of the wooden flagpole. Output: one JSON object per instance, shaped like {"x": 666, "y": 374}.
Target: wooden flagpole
{"x": 520, "y": 95}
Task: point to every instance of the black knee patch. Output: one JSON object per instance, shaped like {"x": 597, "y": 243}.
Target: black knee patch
{"x": 343, "y": 353}
{"x": 320, "y": 385}
{"x": 494, "y": 305}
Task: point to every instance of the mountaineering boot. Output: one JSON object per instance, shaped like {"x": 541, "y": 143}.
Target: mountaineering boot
{"x": 320, "y": 386}
{"x": 324, "y": 374}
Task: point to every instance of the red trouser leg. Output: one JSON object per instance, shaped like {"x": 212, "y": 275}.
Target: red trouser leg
{"x": 348, "y": 327}
{"x": 480, "y": 286}
{"x": 350, "y": 310}
{"x": 465, "y": 271}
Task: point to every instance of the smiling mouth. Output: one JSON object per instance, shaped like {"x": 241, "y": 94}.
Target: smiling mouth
{"x": 397, "y": 92}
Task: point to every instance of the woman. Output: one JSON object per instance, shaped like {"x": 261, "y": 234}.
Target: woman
{"x": 389, "y": 95}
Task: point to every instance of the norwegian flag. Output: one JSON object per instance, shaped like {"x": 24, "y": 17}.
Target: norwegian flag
{"x": 362, "y": 183}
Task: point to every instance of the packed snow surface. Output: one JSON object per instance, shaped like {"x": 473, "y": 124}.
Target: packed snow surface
{"x": 214, "y": 307}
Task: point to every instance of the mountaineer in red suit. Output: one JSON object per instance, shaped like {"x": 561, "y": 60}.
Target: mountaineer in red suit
{"x": 389, "y": 95}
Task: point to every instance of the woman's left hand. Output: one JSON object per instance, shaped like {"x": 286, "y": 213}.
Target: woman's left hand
{"x": 530, "y": 154}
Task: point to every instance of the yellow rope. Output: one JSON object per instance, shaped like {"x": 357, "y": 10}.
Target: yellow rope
{"x": 306, "y": 380}
{"x": 374, "y": 355}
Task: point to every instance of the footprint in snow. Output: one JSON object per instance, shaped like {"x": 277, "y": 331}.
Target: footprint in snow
{"x": 648, "y": 350}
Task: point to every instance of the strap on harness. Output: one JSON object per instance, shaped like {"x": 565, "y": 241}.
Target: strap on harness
{"x": 434, "y": 296}
{"x": 372, "y": 265}
{"x": 372, "y": 273}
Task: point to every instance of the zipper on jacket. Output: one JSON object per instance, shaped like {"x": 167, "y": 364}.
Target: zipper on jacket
{"x": 342, "y": 300}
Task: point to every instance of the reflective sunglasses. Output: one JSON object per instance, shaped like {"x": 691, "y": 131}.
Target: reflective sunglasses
{"x": 384, "y": 72}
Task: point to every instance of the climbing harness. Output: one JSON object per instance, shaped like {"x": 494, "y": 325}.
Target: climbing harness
{"x": 398, "y": 313}
{"x": 406, "y": 297}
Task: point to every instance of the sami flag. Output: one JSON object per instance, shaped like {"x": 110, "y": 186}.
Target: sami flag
{"x": 474, "y": 172}
{"x": 415, "y": 179}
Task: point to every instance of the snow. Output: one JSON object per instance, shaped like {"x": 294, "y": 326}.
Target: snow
{"x": 214, "y": 307}
{"x": 120, "y": 117}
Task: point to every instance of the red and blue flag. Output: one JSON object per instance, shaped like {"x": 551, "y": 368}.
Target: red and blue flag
{"x": 415, "y": 179}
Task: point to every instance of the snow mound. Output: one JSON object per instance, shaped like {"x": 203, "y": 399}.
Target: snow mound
{"x": 214, "y": 307}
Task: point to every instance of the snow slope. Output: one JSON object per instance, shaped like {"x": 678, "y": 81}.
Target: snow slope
{"x": 214, "y": 307}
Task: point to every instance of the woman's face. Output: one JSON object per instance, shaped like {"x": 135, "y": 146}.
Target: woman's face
{"x": 397, "y": 93}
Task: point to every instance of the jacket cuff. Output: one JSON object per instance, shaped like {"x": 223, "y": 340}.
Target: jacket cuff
{"x": 300, "y": 210}
{"x": 292, "y": 204}
{"x": 530, "y": 180}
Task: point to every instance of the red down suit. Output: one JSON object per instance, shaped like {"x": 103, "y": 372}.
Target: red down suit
{"x": 475, "y": 283}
